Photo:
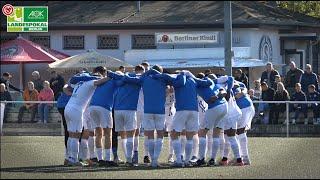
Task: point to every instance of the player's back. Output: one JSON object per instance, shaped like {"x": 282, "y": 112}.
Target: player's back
{"x": 186, "y": 96}
{"x": 154, "y": 92}
{"x": 82, "y": 94}
{"x": 104, "y": 95}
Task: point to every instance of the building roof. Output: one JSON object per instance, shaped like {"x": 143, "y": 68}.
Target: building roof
{"x": 121, "y": 14}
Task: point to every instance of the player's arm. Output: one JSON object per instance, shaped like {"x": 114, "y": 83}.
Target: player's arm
{"x": 133, "y": 80}
{"x": 203, "y": 82}
{"x": 100, "y": 81}
{"x": 114, "y": 75}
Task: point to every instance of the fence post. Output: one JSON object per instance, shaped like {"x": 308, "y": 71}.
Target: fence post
{"x": 287, "y": 111}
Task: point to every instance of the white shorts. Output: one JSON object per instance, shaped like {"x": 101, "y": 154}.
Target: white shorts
{"x": 233, "y": 116}
{"x": 125, "y": 120}
{"x": 170, "y": 112}
{"x": 215, "y": 117}
{"x": 202, "y": 121}
{"x": 246, "y": 118}
{"x": 101, "y": 117}
{"x": 87, "y": 120}
{"x": 187, "y": 120}
{"x": 139, "y": 119}
{"x": 153, "y": 122}
{"x": 74, "y": 119}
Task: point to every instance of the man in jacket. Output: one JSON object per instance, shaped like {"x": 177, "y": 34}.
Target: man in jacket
{"x": 30, "y": 94}
{"x": 267, "y": 95}
{"x": 308, "y": 78}
{"x": 56, "y": 83}
{"x": 269, "y": 74}
{"x": 241, "y": 77}
{"x": 293, "y": 77}
{"x": 5, "y": 79}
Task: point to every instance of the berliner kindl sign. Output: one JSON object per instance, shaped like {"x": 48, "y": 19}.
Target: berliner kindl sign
{"x": 187, "y": 38}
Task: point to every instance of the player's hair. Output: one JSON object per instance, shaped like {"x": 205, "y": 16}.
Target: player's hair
{"x": 158, "y": 68}
{"x": 139, "y": 68}
{"x": 212, "y": 76}
{"x": 121, "y": 67}
{"x": 311, "y": 86}
{"x": 200, "y": 75}
{"x": 207, "y": 71}
{"x": 145, "y": 64}
{"x": 264, "y": 84}
{"x": 99, "y": 69}
{"x": 298, "y": 84}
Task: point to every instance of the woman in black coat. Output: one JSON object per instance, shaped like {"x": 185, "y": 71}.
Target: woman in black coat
{"x": 280, "y": 95}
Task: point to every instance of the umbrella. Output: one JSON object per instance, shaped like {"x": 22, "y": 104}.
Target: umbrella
{"x": 20, "y": 51}
{"x": 89, "y": 60}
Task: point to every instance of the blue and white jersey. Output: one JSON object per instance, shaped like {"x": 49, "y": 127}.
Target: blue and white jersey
{"x": 244, "y": 101}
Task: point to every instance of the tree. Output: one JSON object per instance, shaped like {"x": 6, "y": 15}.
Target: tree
{"x": 311, "y": 8}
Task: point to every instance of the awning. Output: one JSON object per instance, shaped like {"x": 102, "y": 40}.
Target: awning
{"x": 89, "y": 59}
{"x": 207, "y": 62}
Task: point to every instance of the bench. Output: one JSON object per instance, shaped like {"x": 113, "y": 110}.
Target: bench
{"x": 13, "y": 112}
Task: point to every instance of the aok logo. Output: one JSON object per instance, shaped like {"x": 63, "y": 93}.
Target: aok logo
{"x": 36, "y": 15}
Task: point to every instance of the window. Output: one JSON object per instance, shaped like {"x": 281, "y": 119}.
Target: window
{"x": 7, "y": 38}
{"x": 73, "y": 42}
{"x": 42, "y": 40}
{"x": 143, "y": 42}
{"x": 108, "y": 42}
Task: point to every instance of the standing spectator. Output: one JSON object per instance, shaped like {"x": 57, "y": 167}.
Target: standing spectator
{"x": 257, "y": 88}
{"x": 280, "y": 95}
{"x": 313, "y": 95}
{"x": 61, "y": 104}
{"x": 56, "y": 84}
{"x": 5, "y": 79}
{"x": 299, "y": 108}
{"x": 264, "y": 108}
{"x": 269, "y": 74}
{"x": 307, "y": 78}
{"x": 5, "y": 96}
{"x": 242, "y": 77}
{"x": 37, "y": 81}
{"x": 46, "y": 94}
{"x": 277, "y": 80}
{"x": 293, "y": 77}
{"x": 122, "y": 69}
{"x": 30, "y": 94}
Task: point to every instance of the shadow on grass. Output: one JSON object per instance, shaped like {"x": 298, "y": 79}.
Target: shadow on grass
{"x": 68, "y": 169}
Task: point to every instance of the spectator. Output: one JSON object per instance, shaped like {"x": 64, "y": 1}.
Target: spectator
{"x": 252, "y": 96}
{"x": 242, "y": 77}
{"x": 307, "y": 78}
{"x": 5, "y": 96}
{"x": 56, "y": 83}
{"x": 122, "y": 69}
{"x": 298, "y": 108}
{"x": 257, "y": 89}
{"x": 277, "y": 80}
{"x": 61, "y": 104}
{"x": 29, "y": 94}
{"x": 268, "y": 75}
{"x": 264, "y": 108}
{"x": 313, "y": 95}
{"x": 37, "y": 81}
{"x": 5, "y": 79}
{"x": 293, "y": 77}
{"x": 46, "y": 94}
{"x": 280, "y": 95}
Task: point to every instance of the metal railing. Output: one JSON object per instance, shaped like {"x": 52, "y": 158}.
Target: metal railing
{"x": 255, "y": 102}
{"x": 287, "y": 108}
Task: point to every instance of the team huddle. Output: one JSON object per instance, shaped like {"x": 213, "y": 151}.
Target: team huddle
{"x": 203, "y": 115}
